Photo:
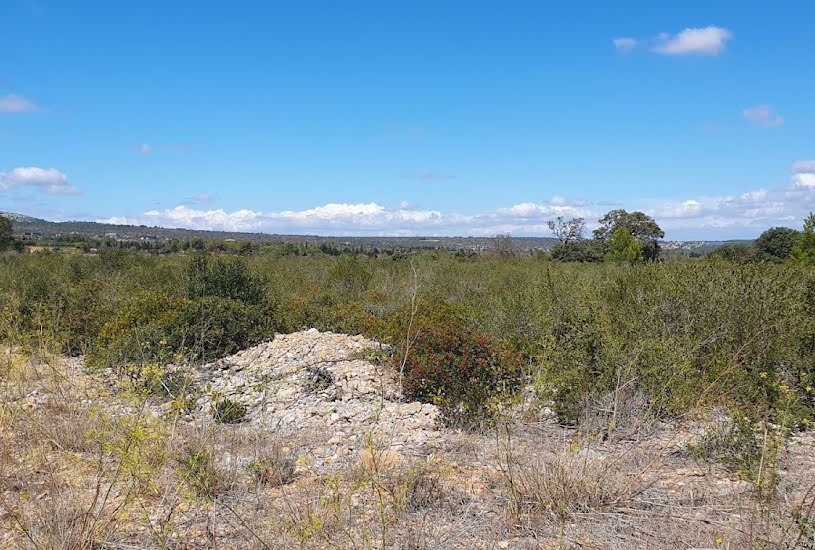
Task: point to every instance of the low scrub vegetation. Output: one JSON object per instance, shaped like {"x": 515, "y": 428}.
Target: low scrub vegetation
{"x": 598, "y": 332}
{"x": 465, "y": 330}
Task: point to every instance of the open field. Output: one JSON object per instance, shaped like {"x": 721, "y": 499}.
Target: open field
{"x": 88, "y": 463}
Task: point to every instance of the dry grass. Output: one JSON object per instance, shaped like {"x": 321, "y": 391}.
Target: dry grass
{"x": 82, "y": 466}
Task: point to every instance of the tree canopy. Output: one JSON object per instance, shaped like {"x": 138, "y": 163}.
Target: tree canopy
{"x": 624, "y": 247}
{"x": 776, "y": 243}
{"x": 639, "y": 225}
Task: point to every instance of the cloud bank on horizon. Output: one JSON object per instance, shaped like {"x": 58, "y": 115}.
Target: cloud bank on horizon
{"x": 751, "y": 211}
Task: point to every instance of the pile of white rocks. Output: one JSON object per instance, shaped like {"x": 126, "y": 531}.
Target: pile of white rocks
{"x": 315, "y": 382}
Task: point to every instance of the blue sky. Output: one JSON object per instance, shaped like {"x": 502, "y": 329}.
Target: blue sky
{"x": 420, "y": 117}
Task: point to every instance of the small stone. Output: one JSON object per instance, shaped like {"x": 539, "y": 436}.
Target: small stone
{"x": 412, "y": 408}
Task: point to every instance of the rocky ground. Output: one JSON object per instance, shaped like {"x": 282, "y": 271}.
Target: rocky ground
{"x": 312, "y": 382}
{"x": 327, "y": 455}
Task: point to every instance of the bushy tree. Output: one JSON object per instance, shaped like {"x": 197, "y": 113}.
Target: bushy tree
{"x": 6, "y": 233}
{"x": 803, "y": 249}
{"x": 624, "y": 247}
{"x": 776, "y": 243}
{"x": 638, "y": 224}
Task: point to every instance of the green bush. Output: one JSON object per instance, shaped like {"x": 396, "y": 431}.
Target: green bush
{"x": 199, "y": 470}
{"x": 215, "y": 327}
{"x": 349, "y": 276}
{"x": 225, "y": 277}
{"x": 228, "y": 411}
{"x": 460, "y": 371}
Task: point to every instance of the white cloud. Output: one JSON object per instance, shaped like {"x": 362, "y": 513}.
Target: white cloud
{"x": 704, "y": 217}
{"x": 762, "y": 115}
{"x": 145, "y": 148}
{"x": 12, "y": 103}
{"x": 744, "y": 215}
{"x": 542, "y": 212}
{"x": 687, "y": 209}
{"x": 804, "y": 180}
{"x": 330, "y": 218}
{"x": 803, "y": 173}
{"x": 699, "y": 41}
{"x": 47, "y": 180}
{"x": 625, "y": 44}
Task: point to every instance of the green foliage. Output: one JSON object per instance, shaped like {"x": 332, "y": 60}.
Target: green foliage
{"x": 624, "y": 247}
{"x": 734, "y": 252}
{"x": 214, "y": 327}
{"x": 775, "y": 244}
{"x": 219, "y": 309}
{"x": 349, "y": 276}
{"x": 638, "y": 224}
{"x": 749, "y": 448}
{"x": 198, "y": 469}
{"x": 147, "y": 328}
{"x": 578, "y": 251}
{"x": 460, "y": 371}
{"x": 803, "y": 249}
{"x": 676, "y": 334}
{"x": 226, "y": 277}
{"x": 228, "y": 411}
{"x": 6, "y": 234}
{"x": 684, "y": 334}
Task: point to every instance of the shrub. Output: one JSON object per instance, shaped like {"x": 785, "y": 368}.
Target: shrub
{"x": 223, "y": 277}
{"x": 734, "y": 252}
{"x": 459, "y": 370}
{"x": 200, "y": 472}
{"x": 146, "y": 329}
{"x": 317, "y": 379}
{"x": 154, "y": 327}
{"x": 274, "y": 467}
{"x": 423, "y": 490}
{"x": 228, "y": 411}
{"x": 624, "y": 247}
{"x": 749, "y": 448}
{"x": 349, "y": 276}
{"x": 216, "y": 327}
{"x": 578, "y": 251}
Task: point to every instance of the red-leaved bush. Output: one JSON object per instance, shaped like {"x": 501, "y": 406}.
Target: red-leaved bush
{"x": 460, "y": 371}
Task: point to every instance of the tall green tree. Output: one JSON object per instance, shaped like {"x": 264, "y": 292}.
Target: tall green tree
{"x": 638, "y": 224}
{"x": 803, "y": 249}
{"x": 624, "y": 247}
{"x": 776, "y": 243}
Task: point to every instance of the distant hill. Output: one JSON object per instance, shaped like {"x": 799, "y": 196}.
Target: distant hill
{"x": 22, "y": 218}
{"x": 38, "y": 228}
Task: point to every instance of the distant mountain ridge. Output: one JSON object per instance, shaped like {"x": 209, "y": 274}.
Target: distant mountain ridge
{"x": 29, "y": 226}
{"x": 15, "y": 217}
